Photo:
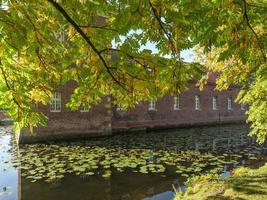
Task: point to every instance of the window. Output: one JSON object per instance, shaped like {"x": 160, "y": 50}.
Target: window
{"x": 55, "y": 103}
{"x": 85, "y": 108}
{"x": 229, "y": 103}
{"x": 120, "y": 108}
{"x": 62, "y": 35}
{"x": 242, "y": 107}
{"x": 152, "y": 105}
{"x": 197, "y": 102}
{"x": 176, "y": 105}
{"x": 214, "y": 102}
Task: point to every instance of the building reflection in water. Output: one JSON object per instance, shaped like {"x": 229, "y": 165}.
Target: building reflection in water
{"x": 134, "y": 186}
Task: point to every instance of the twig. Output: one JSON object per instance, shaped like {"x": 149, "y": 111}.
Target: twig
{"x": 87, "y": 39}
{"x": 11, "y": 45}
{"x": 98, "y": 27}
{"x": 250, "y": 27}
{"x": 162, "y": 27}
{"x": 128, "y": 55}
{"x": 8, "y": 86}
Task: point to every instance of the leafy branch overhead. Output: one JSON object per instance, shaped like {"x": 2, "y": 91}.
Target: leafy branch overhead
{"x": 98, "y": 44}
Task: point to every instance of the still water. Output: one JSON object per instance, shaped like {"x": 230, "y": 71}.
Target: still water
{"x": 122, "y": 167}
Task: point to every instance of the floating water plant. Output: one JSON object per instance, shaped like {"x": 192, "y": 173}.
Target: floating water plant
{"x": 147, "y": 154}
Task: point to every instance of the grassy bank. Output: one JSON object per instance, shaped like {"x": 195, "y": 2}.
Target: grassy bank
{"x": 244, "y": 184}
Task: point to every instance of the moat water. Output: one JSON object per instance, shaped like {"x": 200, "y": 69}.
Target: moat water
{"x": 132, "y": 166}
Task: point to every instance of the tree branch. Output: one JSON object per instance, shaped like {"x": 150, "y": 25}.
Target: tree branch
{"x": 87, "y": 39}
{"x": 128, "y": 55}
{"x": 253, "y": 31}
{"x": 11, "y": 45}
{"x": 255, "y": 5}
{"x": 162, "y": 27}
{"x": 98, "y": 27}
{"x": 35, "y": 29}
{"x": 8, "y": 86}
{"x": 42, "y": 62}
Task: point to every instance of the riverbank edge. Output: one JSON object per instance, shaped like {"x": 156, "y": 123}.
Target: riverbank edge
{"x": 245, "y": 184}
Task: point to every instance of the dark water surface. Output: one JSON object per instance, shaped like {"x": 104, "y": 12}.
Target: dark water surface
{"x": 123, "y": 167}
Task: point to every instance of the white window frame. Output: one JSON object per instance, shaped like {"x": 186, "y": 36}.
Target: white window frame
{"x": 62, "y": 36}
{"x": 85, "y": 109}
{"x": 214, "y": 103}
{"x": 55, "y": 103}
{"x": 229, "y": 103}
{"x": 152, "y": 105}
{"x": 120, "y": 108}
{"x": 197, "y": 102}
{"x": 176, "y": 104}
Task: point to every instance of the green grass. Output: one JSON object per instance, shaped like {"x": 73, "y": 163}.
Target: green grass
{"x": 245, "y": 184}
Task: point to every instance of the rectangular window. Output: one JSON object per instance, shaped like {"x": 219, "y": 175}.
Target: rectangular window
{"x": 85, "y": 108}
{"x": 197, "y": 102}
{"x": 229, "y": 103}
{"x": 214, "y": 102}
{"x": 120, "y": 108}
{"x": 55, "y": 103}
{"x": 176, "y": 105}
{"x": 152, "y": 105}
{"x": 62, "y": 35}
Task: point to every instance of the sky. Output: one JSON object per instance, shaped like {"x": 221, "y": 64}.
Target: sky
{"x": 187, "y": 55}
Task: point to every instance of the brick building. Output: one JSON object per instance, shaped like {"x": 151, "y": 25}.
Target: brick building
{"x": 193, "y": 107}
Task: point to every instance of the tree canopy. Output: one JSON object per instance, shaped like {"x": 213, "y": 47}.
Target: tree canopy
{"x": 97, "y": 44}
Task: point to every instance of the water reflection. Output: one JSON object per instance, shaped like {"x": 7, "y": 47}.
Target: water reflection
{"x": 128, "y": 186}
{"x": 229, "y": 142}
{"x": 9, "y": 179}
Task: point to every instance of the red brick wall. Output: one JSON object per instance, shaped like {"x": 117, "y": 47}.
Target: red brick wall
{"x": 100, "y": 119}
{"x": 165, "y": 115}
{"x": 67, "y": 122}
